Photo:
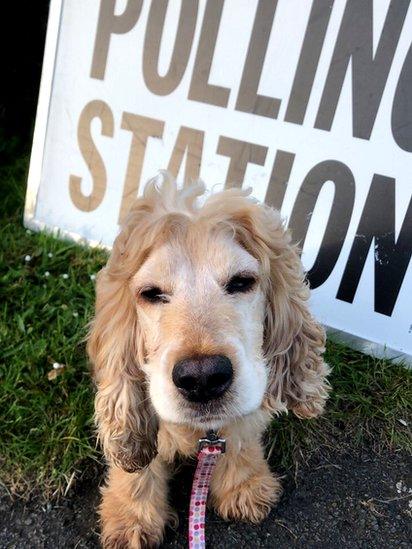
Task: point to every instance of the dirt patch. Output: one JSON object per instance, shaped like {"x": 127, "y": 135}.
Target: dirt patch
{"x": 353, "y": 499}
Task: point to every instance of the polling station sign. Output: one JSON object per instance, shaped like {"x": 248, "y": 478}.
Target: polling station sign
{"x": 308, "y": 102}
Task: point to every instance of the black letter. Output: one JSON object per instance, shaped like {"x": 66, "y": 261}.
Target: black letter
{"x": 339, "y": 217}
{"x": 369, "y": 73}
{"x": 391, "y": 257}
{"x": 402, "y": 106}
{"x": 241, "y": 153}
{"x": 308, "y": 60}
{"x": 163, "y": 85}
{"x": 282, "y": 166}
{"x": 92, "y": 157}
{"x": 248, "y": 99}
{"x": 200, "y": 89}
{"x": 109, "y": 24}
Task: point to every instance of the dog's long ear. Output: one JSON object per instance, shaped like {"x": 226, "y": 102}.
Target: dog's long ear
{"x": 126, "y": 421}
{"x": 293, "y": 340}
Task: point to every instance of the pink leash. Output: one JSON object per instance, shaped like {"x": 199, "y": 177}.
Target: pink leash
{"x": 210, "y": 449}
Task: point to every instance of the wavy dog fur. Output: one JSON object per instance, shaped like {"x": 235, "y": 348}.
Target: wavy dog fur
{"x": 139, "y": 444}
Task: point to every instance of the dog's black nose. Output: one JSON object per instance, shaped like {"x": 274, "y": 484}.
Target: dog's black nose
{"x": 203, "y": 378}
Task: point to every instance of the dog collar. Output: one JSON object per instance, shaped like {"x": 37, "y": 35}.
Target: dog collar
{"x": 209, "y": 449}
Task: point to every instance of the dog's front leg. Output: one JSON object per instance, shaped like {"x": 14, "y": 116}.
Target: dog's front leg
{"x": 243, "y": 488}
{"x": 134, "y": 508}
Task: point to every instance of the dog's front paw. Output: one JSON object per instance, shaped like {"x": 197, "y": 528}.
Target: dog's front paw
{"x": 249, "y": 501}
{"x": 128, "y": 523}
{"x": 124, "y": 537}
{"x": 134, "y": 532}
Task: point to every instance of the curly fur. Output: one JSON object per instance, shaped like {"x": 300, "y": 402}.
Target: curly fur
{"x": 135, "y": 509}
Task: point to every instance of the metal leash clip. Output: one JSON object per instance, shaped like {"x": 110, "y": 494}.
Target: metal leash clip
{"x": 212, "y": 439}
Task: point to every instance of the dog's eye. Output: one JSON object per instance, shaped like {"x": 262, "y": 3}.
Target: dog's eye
{"x": 240, "y": 283}
{"x": 153, "y": 295}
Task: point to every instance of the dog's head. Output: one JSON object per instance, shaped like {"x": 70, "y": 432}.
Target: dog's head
{"x": 200, "y": 318}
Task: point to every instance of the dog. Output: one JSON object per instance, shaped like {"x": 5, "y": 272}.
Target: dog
{"x": 201, "y": 323}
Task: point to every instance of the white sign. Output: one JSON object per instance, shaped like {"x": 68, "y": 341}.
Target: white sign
{"x": 310, "y": 103}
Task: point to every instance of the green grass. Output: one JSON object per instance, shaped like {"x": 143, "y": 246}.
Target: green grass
{"x": 370, "y": 401}
{"x": 46, "y": 432}
{"x": 45, "y": 425}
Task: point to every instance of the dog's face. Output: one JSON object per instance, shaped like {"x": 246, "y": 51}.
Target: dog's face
{"x": 201, "y": 310}
{"x": 201, "y": 318}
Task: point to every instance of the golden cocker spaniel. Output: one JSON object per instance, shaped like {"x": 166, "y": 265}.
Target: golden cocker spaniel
{"x": 201, "y": 323}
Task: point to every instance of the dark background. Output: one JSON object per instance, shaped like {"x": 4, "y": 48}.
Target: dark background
{"x": 22, "y": 37}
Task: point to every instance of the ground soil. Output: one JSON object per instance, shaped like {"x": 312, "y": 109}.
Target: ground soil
{"x": 347, "y": 499}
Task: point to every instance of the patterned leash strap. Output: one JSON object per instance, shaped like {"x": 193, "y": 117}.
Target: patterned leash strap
{"x": 209, "y": 450}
